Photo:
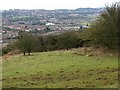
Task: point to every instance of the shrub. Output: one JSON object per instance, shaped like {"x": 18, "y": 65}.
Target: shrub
{"x": 7, "y": 49}
{"x": 106, "y": 29}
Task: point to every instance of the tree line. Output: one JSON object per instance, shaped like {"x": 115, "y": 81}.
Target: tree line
{"x": 28, "y": 43}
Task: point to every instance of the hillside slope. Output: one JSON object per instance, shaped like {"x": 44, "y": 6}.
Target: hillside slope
{"x": 61, "y": 69}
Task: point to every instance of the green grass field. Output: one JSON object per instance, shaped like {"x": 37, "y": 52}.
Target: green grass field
{"x": 60, "y": 69}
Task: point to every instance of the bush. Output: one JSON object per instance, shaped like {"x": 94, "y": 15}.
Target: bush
{"x": 56, "y": 42}
{"x": 70, "y": 40}
{"x": 7, "y": 49}
{"x": 106, "y": 29}
{"x": 63, "y": 41}
{"x": 51, "y": 42}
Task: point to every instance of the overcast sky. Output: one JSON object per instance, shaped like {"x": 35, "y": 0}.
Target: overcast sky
{"x": 52, "y": 4}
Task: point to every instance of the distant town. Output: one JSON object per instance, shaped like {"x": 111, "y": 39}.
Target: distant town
{"x": 44, "y": 22}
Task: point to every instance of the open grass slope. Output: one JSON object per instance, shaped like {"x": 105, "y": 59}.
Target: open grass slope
{"x": 60, "y": 69}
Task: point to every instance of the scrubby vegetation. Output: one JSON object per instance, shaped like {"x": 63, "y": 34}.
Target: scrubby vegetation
{"x": 30, "y": 43}
{"x": 105, "y": 31}
{"x": 7, "y": 49}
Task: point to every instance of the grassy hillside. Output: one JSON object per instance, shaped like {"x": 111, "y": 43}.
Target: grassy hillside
{"x": 60, "y": 69}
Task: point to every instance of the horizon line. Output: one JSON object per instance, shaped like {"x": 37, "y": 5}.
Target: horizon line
{"x": 48, "y": 9}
